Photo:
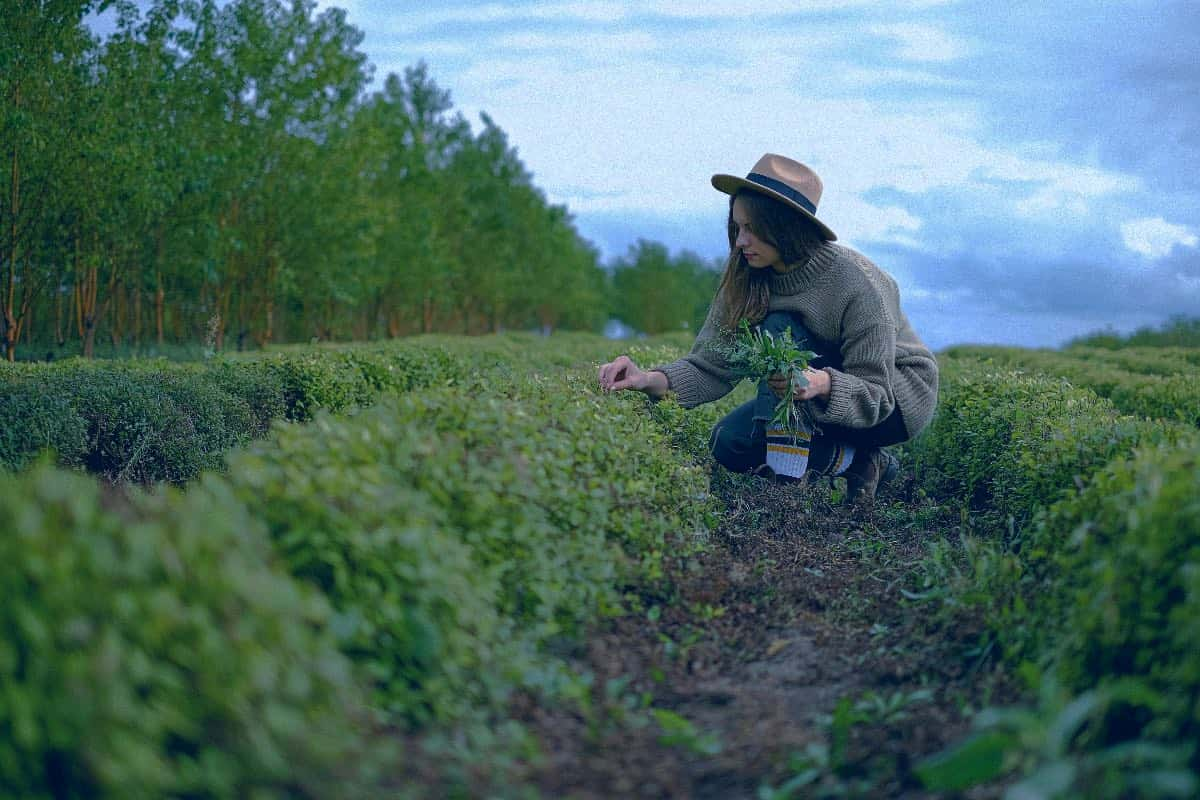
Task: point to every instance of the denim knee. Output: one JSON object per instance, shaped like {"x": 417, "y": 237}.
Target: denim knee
{"x": 734, "y": 450}
{"x": 778, "y": 321}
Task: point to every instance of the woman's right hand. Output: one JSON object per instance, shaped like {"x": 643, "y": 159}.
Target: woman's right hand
{"x": 622, "y": 373}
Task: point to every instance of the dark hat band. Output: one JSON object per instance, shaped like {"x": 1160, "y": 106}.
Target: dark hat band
{"x": 783, "y": 189}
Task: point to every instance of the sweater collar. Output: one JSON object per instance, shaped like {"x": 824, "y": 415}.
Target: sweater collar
{"x": 807, "y": 274}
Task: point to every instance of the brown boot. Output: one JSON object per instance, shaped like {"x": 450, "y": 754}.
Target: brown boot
{"x": 871, "y": 468}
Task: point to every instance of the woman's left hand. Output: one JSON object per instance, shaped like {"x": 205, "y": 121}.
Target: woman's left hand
{"x": 818, "y": 385}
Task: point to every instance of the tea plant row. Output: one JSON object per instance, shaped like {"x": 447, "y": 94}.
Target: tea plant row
{"x": 1154, "y": 382}
{"x": 1081, "y": 554}
{"x": 276, "y": 630}
{"x": 154, "y": 420}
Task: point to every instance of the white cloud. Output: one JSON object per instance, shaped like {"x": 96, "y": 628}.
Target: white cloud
{"x": 593, "y": 43}
{"x": 614, "y": 113}
{"x": 861, "y": 221}
{"x": 1057, "y": 187}
{"x": 921, "y": 42}
{"x": 1154, "y": 237}
{"x": 759, "y": 9}
{"x": 646, "y": 135}
{"x": 491, "y": 13}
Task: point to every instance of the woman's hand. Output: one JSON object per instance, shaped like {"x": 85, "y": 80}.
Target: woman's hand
{"x": 818, "y": 385}
{"x": 622, "y": 373}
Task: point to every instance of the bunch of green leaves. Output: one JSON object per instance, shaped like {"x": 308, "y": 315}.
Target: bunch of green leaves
{"x": 757, "y": 354}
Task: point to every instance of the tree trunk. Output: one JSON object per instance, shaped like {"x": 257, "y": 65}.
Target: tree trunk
{"x": 137, "y": 316}
{"x": 116, "y": 298}
{"x": 8, "y": 318}
{"x": 88, "y": 293}
{"x": 427, "y": 315}
{"x": 159, "y": 298}
{"x": 268, "y": 309}
{"x": 72, "y": 310}
{"x": 58, "y": 313}
{"x": 222, "y": 314}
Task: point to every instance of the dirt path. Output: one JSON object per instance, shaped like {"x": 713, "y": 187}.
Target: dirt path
{"x": 789, "y": 655}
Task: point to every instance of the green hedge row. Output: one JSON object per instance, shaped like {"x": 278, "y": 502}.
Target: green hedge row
{"x": 1006, "y": 443}
{"x": 1159, "y": 383}
{"x": 459, "y": 530}
{"x": 153, "y": 420}
{"x": 145, "y": 421}
{"x": 1085, "y": 569}
{"x": 153, "y": 647}
{"x": 417, "y": 561}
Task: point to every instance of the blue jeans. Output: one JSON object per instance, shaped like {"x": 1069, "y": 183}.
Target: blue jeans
{"x": 739, "y": 441}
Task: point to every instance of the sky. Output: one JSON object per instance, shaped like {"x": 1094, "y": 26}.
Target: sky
{"x": 1028, "y": 171}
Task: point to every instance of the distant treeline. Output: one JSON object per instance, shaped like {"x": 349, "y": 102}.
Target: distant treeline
{"x": 1179, "y": 331}
{"x": 218, "y": 173}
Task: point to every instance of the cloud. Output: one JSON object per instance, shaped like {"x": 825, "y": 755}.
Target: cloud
{"x": 922, "y": 42}
{"x": 759, "y": 9}
{"x": 481, "y": 14}
{"x": 594, "y": 43}
{"x": 976, "y": 150}
{"x": 867, "y": 222}
{"x": 1154, "y": 237}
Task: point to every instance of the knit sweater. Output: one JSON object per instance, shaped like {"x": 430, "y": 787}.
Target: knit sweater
{"x": 852, "y": 308}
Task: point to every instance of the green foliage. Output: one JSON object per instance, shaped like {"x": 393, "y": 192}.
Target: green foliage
{"x": 438, "y": 547}
{"x": 146, "y": 421}
{"x": 216, "y": 171}
{"x": 1158, "y": 383}
{"x": 1089, "y": 585}
{"x": 1177, "y": 332}
{"x": 1127, "y": 586}
{"x": 1062, "y": 749}
{"x": 339, "y": 499}
{"x": 1007, "y": 443}
{"x": 151, "y": 420}
{"x": 679, "y": 731}
{"x": 758, "y": 354}
{"x": 458, "y": 531}
{"x": 32, "y": 421}
{"x": 152, "y": 648}
{"x": 655, "y": 292}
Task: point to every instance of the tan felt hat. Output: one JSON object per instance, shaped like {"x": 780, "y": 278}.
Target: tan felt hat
{"x": 784, "y": 179}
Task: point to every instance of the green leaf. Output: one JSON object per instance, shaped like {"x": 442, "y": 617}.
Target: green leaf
{"x": 978, "y": 759}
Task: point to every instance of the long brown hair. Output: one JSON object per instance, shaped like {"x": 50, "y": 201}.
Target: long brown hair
{"x": 744, "y": 290}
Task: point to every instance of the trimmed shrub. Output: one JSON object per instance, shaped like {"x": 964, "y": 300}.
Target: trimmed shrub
{"x": 458, "y": 531}
{"x": 152, "y": 649}
{"x": 33, "y": 421}
{"x": 1127, "y": 582}
{"x": 1006, "y": 443}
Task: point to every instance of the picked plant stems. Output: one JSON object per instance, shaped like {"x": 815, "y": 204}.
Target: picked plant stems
{"x": 757, "y": 354}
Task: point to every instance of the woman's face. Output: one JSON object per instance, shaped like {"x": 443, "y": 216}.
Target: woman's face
{"x": 758, "y": 254}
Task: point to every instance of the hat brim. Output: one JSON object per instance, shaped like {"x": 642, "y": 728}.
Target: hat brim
{"x": 730, "y": 184}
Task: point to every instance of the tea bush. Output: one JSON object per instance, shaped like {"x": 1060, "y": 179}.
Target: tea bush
{"x": 152, "y": 648}
{"x": 458, "y": 531}
{"x": 1125, "y": 576}
{"x": 1158, "y": 383}
{"x": 47, "y": 422}
{"x": 1007, "y": 443}
{"x": 154, "y": 420}
{"x": 1085, "y": 572}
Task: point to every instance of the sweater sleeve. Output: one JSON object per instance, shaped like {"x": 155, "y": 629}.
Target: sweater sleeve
{"x": 702, "y": 375}
{"x": 861, "y": 393}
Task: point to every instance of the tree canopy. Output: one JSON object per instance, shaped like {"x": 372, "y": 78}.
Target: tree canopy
{"x": 220, "y": 172}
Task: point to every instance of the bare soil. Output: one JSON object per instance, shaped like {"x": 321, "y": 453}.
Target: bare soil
{"x": 792, "y": 651}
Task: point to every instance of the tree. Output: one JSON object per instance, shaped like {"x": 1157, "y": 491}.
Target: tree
{"x": 654, "y": 292}
{"x": 44, "y": 57}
